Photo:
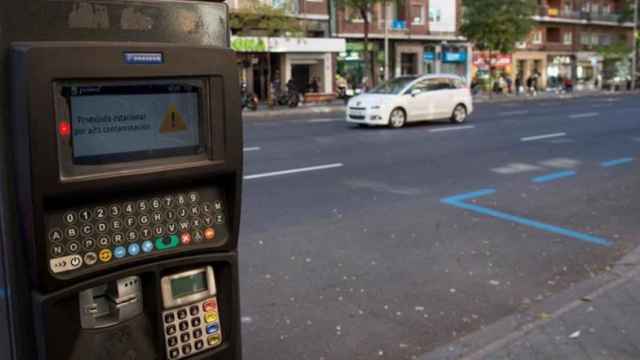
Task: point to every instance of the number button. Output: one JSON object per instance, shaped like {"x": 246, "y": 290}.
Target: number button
{"x": 194, "y": 310}
{"x": 102, "y": 227}
{"x": 169, "y": 318}
{"x": 88, "y": 244}
{"x": 206, "y": 207}
{"x": 184, "y": 325}
{"x": 132, "y": 236}
{"x": 195, "y": 211}
{"x": 87, "y": 229}
{"x": 171, "y": 329}
{"x": 144, "y": 220}
{"x": 116, "y": 225}
{"x": 70, "y": 217}
{"x": 128, "y": 208}
{"x": 115, "y": 210}
{"x": 130, "y": 221}
{"x": 186, "y": 349}
{"x": 103, "y": 241}
{"x": 197, "y": 333}
{"x": 73, "y": 247}
{"x": 195, "y": 322}
{"x": 55, "y": 234}
{"x": 85, "y": 215}
{"x": 157, "y": 217}
{"x": 193, "y": 197}
{"x": 174, "y": 353}
{"x": 182, "y": 314}
{"x": 181, "y": 199}
{"x": 143, "y": 206}
{"x": 199, "y": 344}
{"x": 71, "y": 232}
{"x": 185, "y": 337}
{"x": 57, "y": 250}
{"x": 146, "y": 233}
{"x": 182, "y": 212}
{"x": 172, "y": 341}
{"x": 156, "y": 203}
{"x": 101, "y": 213}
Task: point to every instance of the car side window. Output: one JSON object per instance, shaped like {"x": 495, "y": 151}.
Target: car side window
{"x": 422, "y": 85}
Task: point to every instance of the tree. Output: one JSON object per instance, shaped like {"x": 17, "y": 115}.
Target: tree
{"x": 364, "y": 9}
{"x": 497, "y": 25}
{"x": 257, "y": 18}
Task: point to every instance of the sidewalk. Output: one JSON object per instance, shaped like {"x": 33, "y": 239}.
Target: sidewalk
{"x": 339, "y": 105}
{"x": 597, "y": 319}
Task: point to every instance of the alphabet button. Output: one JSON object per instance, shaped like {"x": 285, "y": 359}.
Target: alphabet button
{"x": 55, "y": 234}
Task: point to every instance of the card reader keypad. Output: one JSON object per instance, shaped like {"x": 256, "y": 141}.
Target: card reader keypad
{"x": 99, "y": 235}
{"x": 192, "y": 329}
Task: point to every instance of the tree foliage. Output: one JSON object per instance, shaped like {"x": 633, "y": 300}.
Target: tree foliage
{"x": 256, "y": 17}
{"x": 497, "y": 25}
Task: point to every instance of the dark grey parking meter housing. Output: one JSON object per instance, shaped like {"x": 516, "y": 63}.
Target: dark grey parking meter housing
{"x": 128, "y": 172}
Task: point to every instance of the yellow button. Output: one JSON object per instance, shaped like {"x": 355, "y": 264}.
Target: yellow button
{"x": 214, "y": 339}
{"x": 210, "y": 317}
{"x": 105, "y": 255}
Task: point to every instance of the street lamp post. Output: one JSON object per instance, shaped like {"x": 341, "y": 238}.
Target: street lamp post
{"x": 386, "y": 41}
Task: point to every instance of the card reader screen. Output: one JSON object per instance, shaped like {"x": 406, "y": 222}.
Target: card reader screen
{"x": 118, "y": 123}
{"x": 188, "y": 285}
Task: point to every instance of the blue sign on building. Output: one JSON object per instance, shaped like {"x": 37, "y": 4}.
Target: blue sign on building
{"x": 454, "y": 57}
{"x": 429, "y": 56}
{"x": 399, "y": 25}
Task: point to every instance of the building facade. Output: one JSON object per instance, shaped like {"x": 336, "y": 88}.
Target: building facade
{"x": 422, "y": 35}
{"x": 568, "y": 42}
{"x": 272, "y": 61}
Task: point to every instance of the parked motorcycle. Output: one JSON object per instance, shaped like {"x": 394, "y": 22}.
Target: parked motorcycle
{"x": 247, "y": 99}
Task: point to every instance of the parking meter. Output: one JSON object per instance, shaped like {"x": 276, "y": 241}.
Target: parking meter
{"x": 125, "y": 186}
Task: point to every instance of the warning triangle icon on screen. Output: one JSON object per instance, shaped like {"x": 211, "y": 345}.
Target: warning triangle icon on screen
{"x": 173, "y": 121}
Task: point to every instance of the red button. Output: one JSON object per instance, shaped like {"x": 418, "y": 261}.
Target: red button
{"x": 210, "y": 305}
{"x": 185, "y": 238}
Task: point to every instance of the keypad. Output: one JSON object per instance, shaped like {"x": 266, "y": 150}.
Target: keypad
{"x": 97, "y": 236}
{"x": 199, "y": 329}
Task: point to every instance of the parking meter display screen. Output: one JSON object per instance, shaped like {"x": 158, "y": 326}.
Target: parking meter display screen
{"x": 119, "y": 123}
{"x": 188, "y": 285}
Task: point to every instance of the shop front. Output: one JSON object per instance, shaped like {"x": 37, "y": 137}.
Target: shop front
{"x": 417, "y": 58}
{"x": 559, "y": 68}
{"x": 529, "y": 64}
{"x": 265, "y": 62}
{"x": 352, "y": 63}
{"x": 589, "y": 71}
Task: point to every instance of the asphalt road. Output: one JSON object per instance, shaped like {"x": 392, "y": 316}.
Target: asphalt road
{"x": 385, "y": 244}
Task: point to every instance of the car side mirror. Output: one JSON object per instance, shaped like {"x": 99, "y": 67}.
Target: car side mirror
{"x": 415, "y": 92}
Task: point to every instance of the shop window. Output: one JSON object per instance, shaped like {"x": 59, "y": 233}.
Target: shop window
{"x": 417, "y": 14}
{"x": 606, "y": 9}
{"x": 553, "y": 35}
{"x": 537, "y": 37}
{"x": 567, "y": 38}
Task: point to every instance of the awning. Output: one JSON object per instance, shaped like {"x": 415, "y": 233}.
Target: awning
{"x": 287, "y": 45}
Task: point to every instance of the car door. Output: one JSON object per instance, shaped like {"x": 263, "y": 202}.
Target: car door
{"x": 444, "y": 97}
{"x": 419, "y": 106}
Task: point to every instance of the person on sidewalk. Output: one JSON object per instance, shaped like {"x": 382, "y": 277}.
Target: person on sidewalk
{"x": 518, "y": 84}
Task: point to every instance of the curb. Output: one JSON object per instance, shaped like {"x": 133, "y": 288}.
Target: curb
{"x": 482, "y": 343}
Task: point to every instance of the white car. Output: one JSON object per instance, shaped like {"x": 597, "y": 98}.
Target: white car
{"x": 412, "y": 98}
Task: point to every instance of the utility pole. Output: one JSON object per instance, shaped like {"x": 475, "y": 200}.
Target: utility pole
{"x": 634, "y": 61}
{"x": 386, "y": 41}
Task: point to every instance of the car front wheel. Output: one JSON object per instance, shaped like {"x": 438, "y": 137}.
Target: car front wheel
{"x": 459, "y": 114}
{"x": 397, "y": 118}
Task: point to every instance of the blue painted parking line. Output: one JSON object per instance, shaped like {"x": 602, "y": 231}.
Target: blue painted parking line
{"x": 3, "y": 293}
{"x": 616, "y": 162}
{"x": 553, "y": 176}
{"x": 458, "y": 201}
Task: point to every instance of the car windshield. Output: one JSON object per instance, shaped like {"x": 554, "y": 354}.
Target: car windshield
{"x": 394, "y": 86}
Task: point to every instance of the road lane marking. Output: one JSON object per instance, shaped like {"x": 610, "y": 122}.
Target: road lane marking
{"x": 293, "y": 171}
{"x": 616, "y": 162}
{"x": 541, "y": 137}
{"x": 459, "y": 201}
{"x": 553, "y": 176}
{"x": 561, "y": 163}
{"x": 255, "y": 148}
{"x": 584, "y": 115}
{"x": 452, "y": 128}
{"x": 509, "y": 113}
{"x": 515, "y": 168}
{"x": 316, "y": 121}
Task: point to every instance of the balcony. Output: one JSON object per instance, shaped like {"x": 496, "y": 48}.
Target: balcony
{"x": 577, "y": 16}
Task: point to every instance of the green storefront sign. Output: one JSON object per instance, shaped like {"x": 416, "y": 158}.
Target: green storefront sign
{"x": 249, "y": 45}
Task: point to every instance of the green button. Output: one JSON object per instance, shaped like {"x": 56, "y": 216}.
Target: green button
{"x": 162, "y": 245}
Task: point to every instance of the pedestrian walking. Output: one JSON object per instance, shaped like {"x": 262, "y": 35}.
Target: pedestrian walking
{"x": 518, "y": 84}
